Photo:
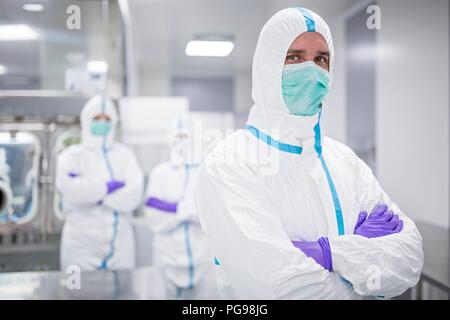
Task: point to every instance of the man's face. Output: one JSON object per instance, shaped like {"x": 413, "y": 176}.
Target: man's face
{"x": 309, "y": 46}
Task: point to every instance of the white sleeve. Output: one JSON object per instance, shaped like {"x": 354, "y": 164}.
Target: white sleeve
{"x": 129, "y": 197}
{"x": 385, "y": 266}
{"x": 80, "y": 190}
{"x": 249, "y": 240}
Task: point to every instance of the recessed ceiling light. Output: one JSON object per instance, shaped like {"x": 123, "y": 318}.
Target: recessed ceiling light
{"x": 17, "y": 32}
{"x": 33, "y": 7}
{"x": 203, "y": 48}
{"x": 97, "y": 66}
{"x": 2, "y": 69}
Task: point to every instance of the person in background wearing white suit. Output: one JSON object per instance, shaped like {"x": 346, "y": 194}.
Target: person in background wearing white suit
{"x": 101, "y": 183}
{"x": 180, "y": 245}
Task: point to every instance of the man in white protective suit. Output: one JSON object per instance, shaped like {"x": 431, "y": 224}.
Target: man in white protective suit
{"x": 180, "y": 245}
{"x": 284, "y": 207}
{"x": 101, "y": 183}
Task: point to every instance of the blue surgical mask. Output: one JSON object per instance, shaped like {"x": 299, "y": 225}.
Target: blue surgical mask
{"x": 100, "y": 128}
{"x": 304, "y": 86}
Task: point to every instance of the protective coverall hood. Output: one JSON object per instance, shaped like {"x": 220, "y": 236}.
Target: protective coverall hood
{"x": 269, "y": 110}
{"x": 97, "y": 105}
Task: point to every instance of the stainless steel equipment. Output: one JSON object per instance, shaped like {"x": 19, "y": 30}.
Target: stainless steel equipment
{"x": 29, "y": 238}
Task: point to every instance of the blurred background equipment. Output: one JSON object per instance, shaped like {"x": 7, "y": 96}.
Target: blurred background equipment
{"x": 5, "y": 185}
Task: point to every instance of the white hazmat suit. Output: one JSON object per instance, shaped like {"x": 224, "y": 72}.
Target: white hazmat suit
{"x": 302, "y": 186}
{"x": 97, "y": 233}
{"x": 180, "y": 245}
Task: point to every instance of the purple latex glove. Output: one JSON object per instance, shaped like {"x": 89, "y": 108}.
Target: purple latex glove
{"x": 161, "y": 205}
{"x": 319, "y": 250}
{"x": 113, "y": 185}
{"x": 380, "y": 222}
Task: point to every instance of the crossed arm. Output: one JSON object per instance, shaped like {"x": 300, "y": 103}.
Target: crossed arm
{"x": 85, "y": 191}
{"x": 396, "y": 260}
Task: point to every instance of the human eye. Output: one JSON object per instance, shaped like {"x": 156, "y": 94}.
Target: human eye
{"x": 293, "y": 58}
{"x": 321, "y": 60}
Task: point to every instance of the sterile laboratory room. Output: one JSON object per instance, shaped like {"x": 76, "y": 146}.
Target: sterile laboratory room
{"x": 231, "y": 150}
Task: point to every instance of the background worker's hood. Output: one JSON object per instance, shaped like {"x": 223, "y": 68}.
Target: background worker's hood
{"x": 96, "y": 105}
{"x": 269, "y": 112}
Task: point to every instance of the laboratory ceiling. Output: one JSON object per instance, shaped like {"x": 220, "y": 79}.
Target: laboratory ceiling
{"x": 162, "y": 28}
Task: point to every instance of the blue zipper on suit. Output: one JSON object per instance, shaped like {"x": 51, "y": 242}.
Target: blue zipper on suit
{"x": 115, "y": 225}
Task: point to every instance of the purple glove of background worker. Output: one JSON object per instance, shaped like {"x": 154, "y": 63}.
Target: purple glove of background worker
{"x": 318, "y": 250}
{"x": 380, "y": 222}
{"x": 113, "y": 185}
{"x": 161, "y": 205}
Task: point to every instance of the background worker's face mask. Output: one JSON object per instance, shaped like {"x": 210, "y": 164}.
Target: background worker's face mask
{"x": 304, "y": 86}
{"x": 100, "y": 128}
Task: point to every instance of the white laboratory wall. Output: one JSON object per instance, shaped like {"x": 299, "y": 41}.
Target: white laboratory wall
{"x": 147, "y": 120}
{"x": 145, "y": 123}
{"x": 413, "y": 107}
{"x": 205, "y": 93}
{"x": 153, "y": 82}
{"x": 242, "y": 96}
{"x": 334, "y": 113}
{"x": 243, "y": 91}
{"x": 360, "y": 45}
